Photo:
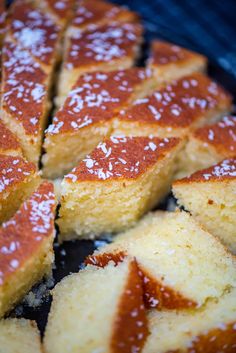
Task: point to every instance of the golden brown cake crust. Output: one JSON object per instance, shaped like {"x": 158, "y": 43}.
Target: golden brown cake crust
{"x": 90, "y": 12}
{"x": 163, "y": 53}
{"x": 223, "y": 171}
{"x": 96, "y": 97}
{"x": 34, "y": 31}
{"x": 156, "y": 294}
{"x": 24, "y": 90}
{"x": 130, "y": 313}
{"x": 178, "y": 104}
{"x": 8, "y": 140}
{"x": 13, "y": 170}
{"x": 103, "y": 44}
{"x": 61, "y": 8}
{"x": 222, "y": 135}
{"x": 24, "y": 233}
{"x": 121, "y": 158}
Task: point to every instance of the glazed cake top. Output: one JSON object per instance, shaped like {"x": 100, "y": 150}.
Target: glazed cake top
{"x": 23, "y": 87}
{"x": 2, "y": 17}
{"x": 8, "y": 140}
{"x": 13, "y": 170}
{"x": 164, "y": 53}
{"x": 97, "y": 97}
{"x": 35, "y": 31}
{"x": 61, "y": 8}
{"x": 23, "y": 234}
{"x": 225, "y": 170}
{"x": 102, "y": 44}
{"x": 180, "y": 103}
{"x": 222, "y": 135}
{"x": 121, "y": 158}
{"x": 90, "y": 12}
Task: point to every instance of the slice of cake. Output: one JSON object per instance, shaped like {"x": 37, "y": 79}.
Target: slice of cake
{"x": 176, "y": 109}
{"x": 19, "y": 335}
{"x": 182, "y": 264}
{"x": 115, "y": 185}
{"x": 26, "y": 246}
{"x": 36, "y": 32}
{"x": 2, "y": 21}
{"x": 99, "y": 12}
{"x": 209, "y": 195}
{"x": 24, "y": 100}
{"x": 209, "y": 145}
{"x": 18, "y": 178}
{"x": 209, "y": 330}
{"x": 9, "y": 144}
{"x": 87, "y": 115}
{"x": 169, "y": 61}
{"x": 102, "y": 311}
{"x": 109, "y": 47}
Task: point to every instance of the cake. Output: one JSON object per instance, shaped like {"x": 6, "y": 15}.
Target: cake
{"x": 105, "y": 48}
{"x": 211, "y": 329}
{"x": 24, "y": 102}
{"x": 209, "y": 194}
{"x": 26, "y": 247}
{"x": 61, "y": 11}
{"x": 115, "y": 185}
{"x": 87, "y": 115}
{"x": 9, "y": 144}
{"x": 176, "y": 109}
{"x": 2, "y": 21}
{"x": 20, "y": 334}
{"x": 209, "y": 145}
{"x": 36, "y": 32}
{"x": 97, "y": 13}
{"x": 18, "y": 178}
{"x": 182, "y": 265}
{"x": 102, "y": 311}
{"x": 170, "y": 61}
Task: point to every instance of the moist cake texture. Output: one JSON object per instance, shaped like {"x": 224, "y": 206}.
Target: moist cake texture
{"x": 116, "y": 323}
{"x": 209, "y": 145}
{"x": 18, "y": 178}
{"x": 19, "y": 332}
{"x": 26, "y": 252}
{"x": 170, "y": 61}
{"x": 209, "y": 194}
{"x": 109, "y": 47}
{"x": 176, "y": 109}
{"x": 87, "y": 115}
{"x": 210, "y": 329}
{"x": 112, "y": 187}
{"x": 172, "y": 252}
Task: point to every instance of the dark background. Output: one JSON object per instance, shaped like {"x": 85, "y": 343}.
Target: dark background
{"x": 208, "y": 27}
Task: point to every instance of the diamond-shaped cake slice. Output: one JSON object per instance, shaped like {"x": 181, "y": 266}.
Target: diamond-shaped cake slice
{"x": 108, "y": 301}
{"x": 176, "y": 109}
{"x": 209, "y": 194}
{"x": 182, "y": 265}
{"x": 99, "y": 12}
{"x": 19, "y": 335}
{"x": 9, "y": 144}
{"x": 36, "y": 32}
{"x": 209, "y": 145}
{"x": 169, "y": 61}
{"x": 24, "y": 99}
{"x": 109, "y": 47}
{"x": 211, "y": 329}
{"x": 18, "y": 178}
{"x": 26, "y": 246}
{"x": 87, "y": 115}
{"x": 115, "y": 185}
